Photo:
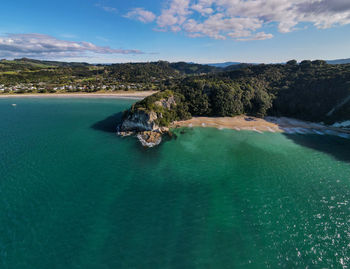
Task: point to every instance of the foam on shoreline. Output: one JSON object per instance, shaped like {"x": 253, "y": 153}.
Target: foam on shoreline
{"x": 268, "y": 124}
{"x": 148, "y": 144}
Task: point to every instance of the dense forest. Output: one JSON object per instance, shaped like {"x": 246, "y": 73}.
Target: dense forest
{"x": 311, "y": 90}
{"x": 24, "y": 71}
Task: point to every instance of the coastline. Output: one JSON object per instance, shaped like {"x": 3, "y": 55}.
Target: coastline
{"x": 268, "y": 124}
{"x": 119, "y": 95}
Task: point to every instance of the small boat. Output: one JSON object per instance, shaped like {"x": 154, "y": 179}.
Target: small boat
{"x": 14, "y": 104}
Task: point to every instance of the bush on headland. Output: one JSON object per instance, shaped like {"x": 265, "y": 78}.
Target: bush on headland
{"x": 308, "y": 91}
{"x": 166, "y": 113}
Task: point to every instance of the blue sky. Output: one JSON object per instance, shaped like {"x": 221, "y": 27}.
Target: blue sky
{"x": 202, "y": 31}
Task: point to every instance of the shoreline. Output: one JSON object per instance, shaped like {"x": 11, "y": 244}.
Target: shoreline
{"x": 117, "y": 95}
{"x": 267, "y": 124}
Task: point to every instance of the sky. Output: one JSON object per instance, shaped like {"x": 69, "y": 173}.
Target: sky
{"x": 201, "y": 31}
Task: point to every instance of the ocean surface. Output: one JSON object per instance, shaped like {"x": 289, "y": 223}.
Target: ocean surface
{"x": 74, "y": 195}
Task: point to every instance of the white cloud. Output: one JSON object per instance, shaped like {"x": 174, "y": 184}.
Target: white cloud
{"x": 45, "y": 46}
{"x": 141, "y": 15}
{"x": 107, "y": 8}
{"x": 176, "y": 14}
{"x": 204, "y": 7}
{"x": 218, "y": 26}
{"x": 245, "y": 19}
{"x": 257, "y": 36}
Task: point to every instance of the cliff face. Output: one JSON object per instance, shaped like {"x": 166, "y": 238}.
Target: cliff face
{"x": 145, "y": 123}
{"x": 140, "y": 121}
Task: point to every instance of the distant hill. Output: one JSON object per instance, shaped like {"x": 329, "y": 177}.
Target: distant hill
{"x": 192, "y": 68}
{"x": 223, "y": 65}
{"x": 340, "y": 61}
{"x": 49, "y": 63}
{"x": 236, "y": 67}
{"x": 232, "y": 64}
{"x": 57, "y": 74}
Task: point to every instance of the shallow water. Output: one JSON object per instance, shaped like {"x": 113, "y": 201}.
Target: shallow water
{"x": 74, "y": 195}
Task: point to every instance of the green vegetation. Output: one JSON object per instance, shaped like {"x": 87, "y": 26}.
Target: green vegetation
{"x": 307, "y": 91}
{"x": 27, "y": 73}
{"x": 177, "y": 111}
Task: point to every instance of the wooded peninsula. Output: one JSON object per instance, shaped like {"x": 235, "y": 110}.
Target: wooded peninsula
{"x": 310, "y": 90}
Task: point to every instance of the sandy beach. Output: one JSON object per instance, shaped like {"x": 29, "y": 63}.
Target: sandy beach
{"x": 119, "y": 94}
{"x": 268, "y": 124}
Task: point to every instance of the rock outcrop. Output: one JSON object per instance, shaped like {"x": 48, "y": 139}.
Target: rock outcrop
{"x": 166, "y": 102}
{"x": 145, "y": 123}
{"x": 139, "y": 121}
{"x": 149, "y": 138}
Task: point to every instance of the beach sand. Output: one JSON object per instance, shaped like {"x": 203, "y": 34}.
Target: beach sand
{"x": 119, "y": 94}
{"x": 268, "y": 124}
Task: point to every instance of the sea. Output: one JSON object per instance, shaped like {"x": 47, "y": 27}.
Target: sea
{"x": 75, "y": 195}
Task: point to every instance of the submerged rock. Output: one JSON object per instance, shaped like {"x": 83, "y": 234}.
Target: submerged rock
{"x": 121, "y": 133}
{"x": 149, "y": 138}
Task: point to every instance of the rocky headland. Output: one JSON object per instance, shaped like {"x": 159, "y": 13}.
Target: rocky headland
{"x": 311, "y": 97}
{"x": 149, "y": 119}
{"x": 153, "y": 117}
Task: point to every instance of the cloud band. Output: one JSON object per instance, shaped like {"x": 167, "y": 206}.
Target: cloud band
{"x": 45, "y": 46}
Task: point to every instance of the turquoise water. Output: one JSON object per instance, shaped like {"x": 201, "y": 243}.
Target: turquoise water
{"x": 74, "y": 195}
